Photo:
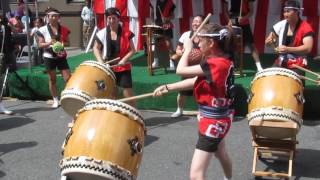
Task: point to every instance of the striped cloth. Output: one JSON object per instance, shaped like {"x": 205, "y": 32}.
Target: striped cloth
{"x": 136, "y": 13}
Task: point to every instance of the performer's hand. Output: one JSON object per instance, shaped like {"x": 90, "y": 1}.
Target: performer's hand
{"x": 282, "y": 49}
{"x": 230, "y": 23}
{"x": 122, "y": 61}
{"x": 159, "y": 91}
{"x": 242, "y": 20}
{"x": 269, "y": 40}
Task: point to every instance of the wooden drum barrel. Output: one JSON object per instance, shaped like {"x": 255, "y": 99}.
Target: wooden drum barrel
{"x": 105, "y": 141}
{"x": 90, "y": 80}
{"x": 276, "y": 96}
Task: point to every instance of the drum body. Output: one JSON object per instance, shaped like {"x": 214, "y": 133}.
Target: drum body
{"x": 105, "y": 141}
{"x": 90, "y": 80}
{"x": 195, "y": 56}
{"x": 276, "y": 96}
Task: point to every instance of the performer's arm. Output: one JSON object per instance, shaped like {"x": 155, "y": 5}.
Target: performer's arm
{"x": 42, "y": 43}
{"x": 270, "y": 39}
{"x": 129, "y": 54}
{"x": 226, "y": 12}
{"x": 179, "y": 49}
{"x": 97, "y": 49}
{"x": 67, "y": 42}
{"x": 248, "y": 15}
{"x": 183, "y": 68}
{"x": 186, "y": 84}
{"x": 302, "y": 50}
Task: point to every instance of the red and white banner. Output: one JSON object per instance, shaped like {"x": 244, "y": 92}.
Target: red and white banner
{"x": 136, "y": 13}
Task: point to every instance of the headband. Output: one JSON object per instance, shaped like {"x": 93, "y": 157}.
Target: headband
{"x": 53, "y": 13}
{"x": 291, "y": 7}
{"x": 115, "y": 12}
{"x": 222, "y": 33}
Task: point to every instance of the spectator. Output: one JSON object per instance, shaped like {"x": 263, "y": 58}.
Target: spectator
{"x": 88, "y": 23}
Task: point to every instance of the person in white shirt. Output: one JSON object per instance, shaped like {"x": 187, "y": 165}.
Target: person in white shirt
{"x": 196, "y": 57}
{"x": 37, "y": 56}
{"x": 88, "y": 22}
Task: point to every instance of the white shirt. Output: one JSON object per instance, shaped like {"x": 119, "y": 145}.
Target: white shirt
{"x": 101, "y": 35}
{"x": 45, "y": 32}
{"x": 87, "y": 16}
{"x": 184, "y": 36}
{"x": 279, "y": 30}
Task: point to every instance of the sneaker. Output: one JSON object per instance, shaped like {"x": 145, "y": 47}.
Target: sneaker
{"x": 55, "y": 104}
{"x": 172, "y": 67}
{"x": 6, "y": 112}
{"x": 3, "y": 110}
{"x": 176, "y": 114}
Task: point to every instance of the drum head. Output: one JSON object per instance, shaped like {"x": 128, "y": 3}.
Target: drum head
{"x": 72, "y": 100}
{"x": 71, "y": 105}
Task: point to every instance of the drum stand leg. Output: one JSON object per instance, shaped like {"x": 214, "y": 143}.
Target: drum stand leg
{"x": 241, "y": 55}
{"x": 150, "y": 56}
{"x": 273, "y": 149}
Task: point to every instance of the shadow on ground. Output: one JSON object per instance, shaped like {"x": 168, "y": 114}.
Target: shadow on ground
{"x": 14, "y": 122}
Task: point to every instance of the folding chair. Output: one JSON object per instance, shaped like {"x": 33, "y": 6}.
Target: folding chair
{"x": 22, "y": 59}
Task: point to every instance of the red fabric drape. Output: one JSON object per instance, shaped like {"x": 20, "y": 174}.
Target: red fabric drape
{"x": 186, "y": 14}
{"x": 208, "y": 7}
{"x": 260, "y": 24}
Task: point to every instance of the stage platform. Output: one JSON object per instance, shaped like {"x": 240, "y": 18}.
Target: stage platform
{"x": 33, "y": 84}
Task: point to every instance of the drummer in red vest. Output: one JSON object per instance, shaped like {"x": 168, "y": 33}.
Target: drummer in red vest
{"x": 213, "y": 84}
{"x": 295, "y": 38}
{"x": 52, "y": 38}
{"x": 241, "y": 19}
{"x": 164, "y": 15}
{"x": 112, "y": 42}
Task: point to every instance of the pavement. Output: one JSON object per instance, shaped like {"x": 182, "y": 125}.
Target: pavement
{"x": 31, "y": 139}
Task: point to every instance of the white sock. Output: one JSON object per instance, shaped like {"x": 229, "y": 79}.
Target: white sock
{"x": 224, "y": 178}
{"x": 259, "y": 67}
{"x": 171, "y": 63}
{"x": 179, "y": 110}
{"x": 55, "y": 99}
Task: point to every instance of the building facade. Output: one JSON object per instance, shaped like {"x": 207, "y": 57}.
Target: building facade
{"x": 70, "y": 14}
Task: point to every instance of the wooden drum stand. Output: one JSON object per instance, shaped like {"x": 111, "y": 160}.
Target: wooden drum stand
{"x": 151, "y": 43}
{"x": 273, "y": 149}
{"x": 239, "y": 43}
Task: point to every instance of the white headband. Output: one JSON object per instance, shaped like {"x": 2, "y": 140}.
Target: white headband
{"x": 291, "y": 7}
{"x": 222, "y": 33}
{"x": 53, "y": 13}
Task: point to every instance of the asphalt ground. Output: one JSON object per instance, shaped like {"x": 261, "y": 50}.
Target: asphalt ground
{"x": 31, "y": 139}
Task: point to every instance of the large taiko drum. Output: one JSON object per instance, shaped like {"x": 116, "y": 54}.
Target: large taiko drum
{"x": 91, "y": 80}
{"x": 276, "y": 96}
{"x": 105, "y": 141}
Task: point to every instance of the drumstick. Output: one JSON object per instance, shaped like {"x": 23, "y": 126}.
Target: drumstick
{"x": 306, "y": 70}
{"x": 201, "y": 25}
{"x": 240, "y": 8}
{"x": 136, "y": 97}
{"x": 161, "y": 14}
{"x": 309, "y": 79}
{"x": 139, "y": 97}
{"x": 113, "y": 60}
